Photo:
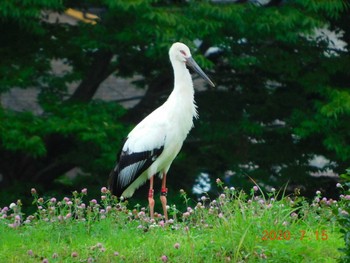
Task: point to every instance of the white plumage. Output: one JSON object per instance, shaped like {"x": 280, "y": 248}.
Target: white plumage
{"x": 153, "y": 144}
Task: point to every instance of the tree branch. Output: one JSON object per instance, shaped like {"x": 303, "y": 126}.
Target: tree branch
{"x": 98, "y": 72}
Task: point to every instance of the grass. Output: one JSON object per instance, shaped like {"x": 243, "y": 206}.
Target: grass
{"x": 234, "y": 227}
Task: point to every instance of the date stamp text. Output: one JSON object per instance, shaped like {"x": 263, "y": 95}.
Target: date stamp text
{"x": 287, "y": 235}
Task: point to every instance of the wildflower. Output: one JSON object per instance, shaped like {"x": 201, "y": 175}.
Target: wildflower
{"x": 284, "y": 223}
{"x": 116, "y": 253}
{"x": 93, "y": 201}
{"x": 232, "y": 188}
{"x": 30, "y": 252}
{"x": 40, "y": 200}
{"x": 273, "y": 190}
{"x": 53, "y": 200}
{"x": 338, "y": 185}
{"x": 69, "y": 203}
{"x": 182, "y": 191}
{"x": 218, "y": 181}
{"x": 261, "y": 201}
{"x": 317, "y": 200}
{"x": 103, "y": 197}
{"x": 45, "y": 260}
{"x": 33, "y": 191}
{"x": 347, "y": 197}
{"x": 161, "y": 223}
{"x": 54, "y": 255}
{"x": 255, "y": 188}
{"x": 187, "y": 228}
{"x": 164, "y": 258}
{"x": 74, "y": 254}
{"x": 203, "y": 198}
{"x": 84, "y": 191}
{"x": 318, "y": 192}
{"x": 69, "y": 215}
{"x": 66, "y": 199}
{"x": 177, "y": 246}
{"x": 343, "y": 212}
{"x": 13, "y": 206}
{"x": 142, "y": 214}
{"x": 222, "y": 196}
{"x": 14, "y": 225}
{"x": 220, "y": 215}
{"x": 186, "y": 214}
{"x": 104, "y": 190}
{"x": 294, "y": 215}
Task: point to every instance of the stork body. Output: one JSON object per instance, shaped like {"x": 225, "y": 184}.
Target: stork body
{"x": 153, "y": 144}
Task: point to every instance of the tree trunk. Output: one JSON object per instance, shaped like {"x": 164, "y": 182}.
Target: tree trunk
{"x": 152, "y": 99}
{"x": 97, "y": 73}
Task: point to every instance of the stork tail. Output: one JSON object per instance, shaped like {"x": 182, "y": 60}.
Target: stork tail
{"x": 113, "y": 185}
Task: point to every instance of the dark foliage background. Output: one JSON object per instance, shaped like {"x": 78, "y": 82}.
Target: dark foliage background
{"x": 282, "y": 98}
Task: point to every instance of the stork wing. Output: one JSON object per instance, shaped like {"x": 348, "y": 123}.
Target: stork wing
{"x": 140, "y": 150}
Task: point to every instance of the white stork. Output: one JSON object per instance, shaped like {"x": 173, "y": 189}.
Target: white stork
{"x": 153, "y": 144}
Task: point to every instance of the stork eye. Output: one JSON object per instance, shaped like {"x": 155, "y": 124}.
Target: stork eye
{"x": 183, "y": 53}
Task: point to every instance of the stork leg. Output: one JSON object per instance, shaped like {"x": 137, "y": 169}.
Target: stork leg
{"x": 163, "y": 195}
{"x": 150, "y": 197}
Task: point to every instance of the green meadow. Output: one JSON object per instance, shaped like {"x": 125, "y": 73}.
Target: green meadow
{"x": 233, "y": 227}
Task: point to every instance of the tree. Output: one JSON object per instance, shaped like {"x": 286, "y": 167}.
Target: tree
{"x": 283, "y": 95}
{"x": 284, "y": 101}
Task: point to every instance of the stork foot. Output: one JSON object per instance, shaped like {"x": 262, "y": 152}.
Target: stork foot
{"x": 163, "y": 200}
{"x": 151, "y": 203}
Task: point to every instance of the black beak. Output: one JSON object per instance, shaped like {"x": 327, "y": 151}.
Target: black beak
{"x": 190, "y": 62}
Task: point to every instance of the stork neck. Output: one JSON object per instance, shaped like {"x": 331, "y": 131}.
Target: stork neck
{"x": 182, "y": 78}
{"x": 182, "y": 97}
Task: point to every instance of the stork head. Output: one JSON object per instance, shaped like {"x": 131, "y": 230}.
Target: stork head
{"x": 181, "y": 53}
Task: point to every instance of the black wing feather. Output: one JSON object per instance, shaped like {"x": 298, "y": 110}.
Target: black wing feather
{"x": 129, "y": 167}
